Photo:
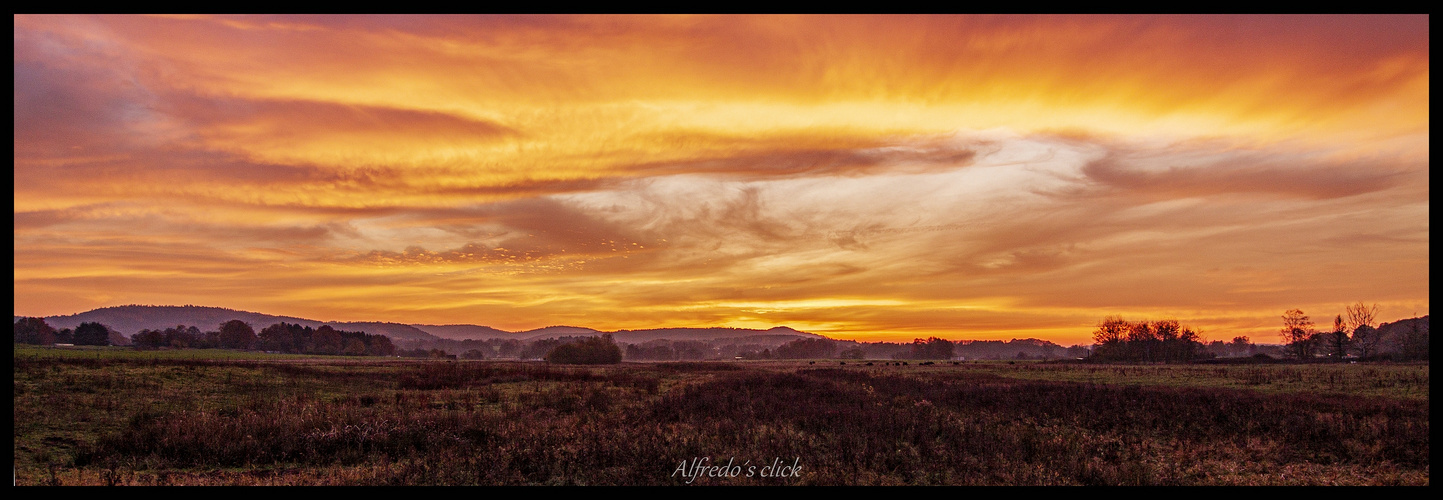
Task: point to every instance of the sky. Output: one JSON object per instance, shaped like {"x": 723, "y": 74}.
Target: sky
{"x": 862, "y": 177}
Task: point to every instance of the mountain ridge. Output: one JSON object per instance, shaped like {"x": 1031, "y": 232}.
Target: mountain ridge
{"x": 129, "y": 319}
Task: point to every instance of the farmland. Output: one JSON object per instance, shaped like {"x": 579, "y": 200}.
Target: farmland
{"x": 116, "y": 416}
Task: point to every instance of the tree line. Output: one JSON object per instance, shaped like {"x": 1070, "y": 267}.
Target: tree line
{"x": 1354, "y": 333}
{"x": 599, "y": 350}
{"x": 233, "y": 334}
{"x": 36, "y": 331}
{"x": 1165, "y": 340}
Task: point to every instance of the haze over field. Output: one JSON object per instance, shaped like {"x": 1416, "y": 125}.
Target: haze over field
{"x": 859, "y": 177}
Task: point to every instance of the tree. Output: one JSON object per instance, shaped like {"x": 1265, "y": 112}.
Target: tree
{"x": 1298, "y": 332}
{"x": 1175, "y": 341}
{"x": 1338, "y": 339}
{"x": 182, "y": 337}
{"x": 1360, "y": 320}
{"x": 1187, "y": 345}
{"x": 236, "y": 334}
{"x": 1240, "y": 346}
{"x": 932, "y": 348}
{"x": 65, "y": 336}
{"x": 276, "y": 337}
{"x": 806, "y": 348}
{"x": 327, "y": 340}
{"x": 599, "y": 350}
{"x": 148, "y": 339}
{"x": 92, "y": 334}
{"x": 1111, "y": 337}
{"x": 473, "y": 354}
{"x": 1142, "y": 341}
{"x": 354, "y": 347}
{"x": 690, "y": 349}
{"x": 381, "y": 346}
{"x": 1413, "y": 341}
{"x": 33, "y": 331}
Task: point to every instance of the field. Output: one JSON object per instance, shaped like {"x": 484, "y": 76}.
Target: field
{"x": 116, "y": 416}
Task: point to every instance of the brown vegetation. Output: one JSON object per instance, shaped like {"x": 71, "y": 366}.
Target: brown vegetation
{"x": 490, "y": 423}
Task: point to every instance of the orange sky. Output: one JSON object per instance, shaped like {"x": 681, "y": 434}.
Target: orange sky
{"x": 867, "y": 177}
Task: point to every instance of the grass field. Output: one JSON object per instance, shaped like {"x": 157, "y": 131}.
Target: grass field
{"x": 117, "y": 416}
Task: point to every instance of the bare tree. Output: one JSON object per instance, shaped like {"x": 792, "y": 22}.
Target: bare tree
{"x": 1298, "y": 332}
{"x": 1359, "y": 315}
{"x": 1361, "y": 321}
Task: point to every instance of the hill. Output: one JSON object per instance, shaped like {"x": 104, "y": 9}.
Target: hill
{"x": 556, "y": 331}
{"x": 1405, "y": 339}
{"x": 467, "y": 332}
{"x": 127, "y": 320}
{"x": 782, "y": 333}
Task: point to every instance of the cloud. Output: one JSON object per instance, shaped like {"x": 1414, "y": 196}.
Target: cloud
{"x": 1246, "y": 173}
{"x": 305, "y": 131}
{"x": 79, "y": 99}
{"x": 778, "y": 157}
{"x": 893, "y": 175}
{"x": 470, "y": 253}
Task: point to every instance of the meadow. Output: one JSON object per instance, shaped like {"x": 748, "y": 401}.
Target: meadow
{"x": 112, "y": 416}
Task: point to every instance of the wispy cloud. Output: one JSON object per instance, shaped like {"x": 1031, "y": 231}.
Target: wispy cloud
{"x": 873, "y": 176}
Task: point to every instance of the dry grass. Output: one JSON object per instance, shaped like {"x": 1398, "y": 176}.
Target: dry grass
{"x": 190, "y": 421}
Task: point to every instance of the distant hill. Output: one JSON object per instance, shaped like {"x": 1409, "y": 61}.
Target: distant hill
{"x": 467, "y": 332}
{"x": 776, "y": 335}
{"x": 556, "y": 331}
{"x": 1395, "y": 338}
{"x": 1390, "y": 330}
{"x": 782, "y": 333}
{"x": 131, "y": 319}
{"x": 128, "y": 320}
{"x": 395, "y": 331}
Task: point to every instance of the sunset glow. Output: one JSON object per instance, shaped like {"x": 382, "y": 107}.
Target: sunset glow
{"x": 860, "y": 177}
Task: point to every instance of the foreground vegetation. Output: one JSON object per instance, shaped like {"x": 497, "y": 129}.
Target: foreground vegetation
{"x": 102, "y": 417}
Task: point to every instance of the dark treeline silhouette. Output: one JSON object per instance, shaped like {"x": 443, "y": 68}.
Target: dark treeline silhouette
{"x": 179, "y": 337}
{"x": 36, "y": 331}
{"x": 601, "y": 350}
{"x": 932, "y": 348}
{"x": 806, "y": 348}
{"x": 723, "y": 349}
{"x": 668, "y": 350}
{"x": 1146, "y": 341}
{"x": 280, "y": 337}
{"x": 1239, "y": 347}
{"x": 289, "y": 338}
{"x": 1355, "y": 334}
